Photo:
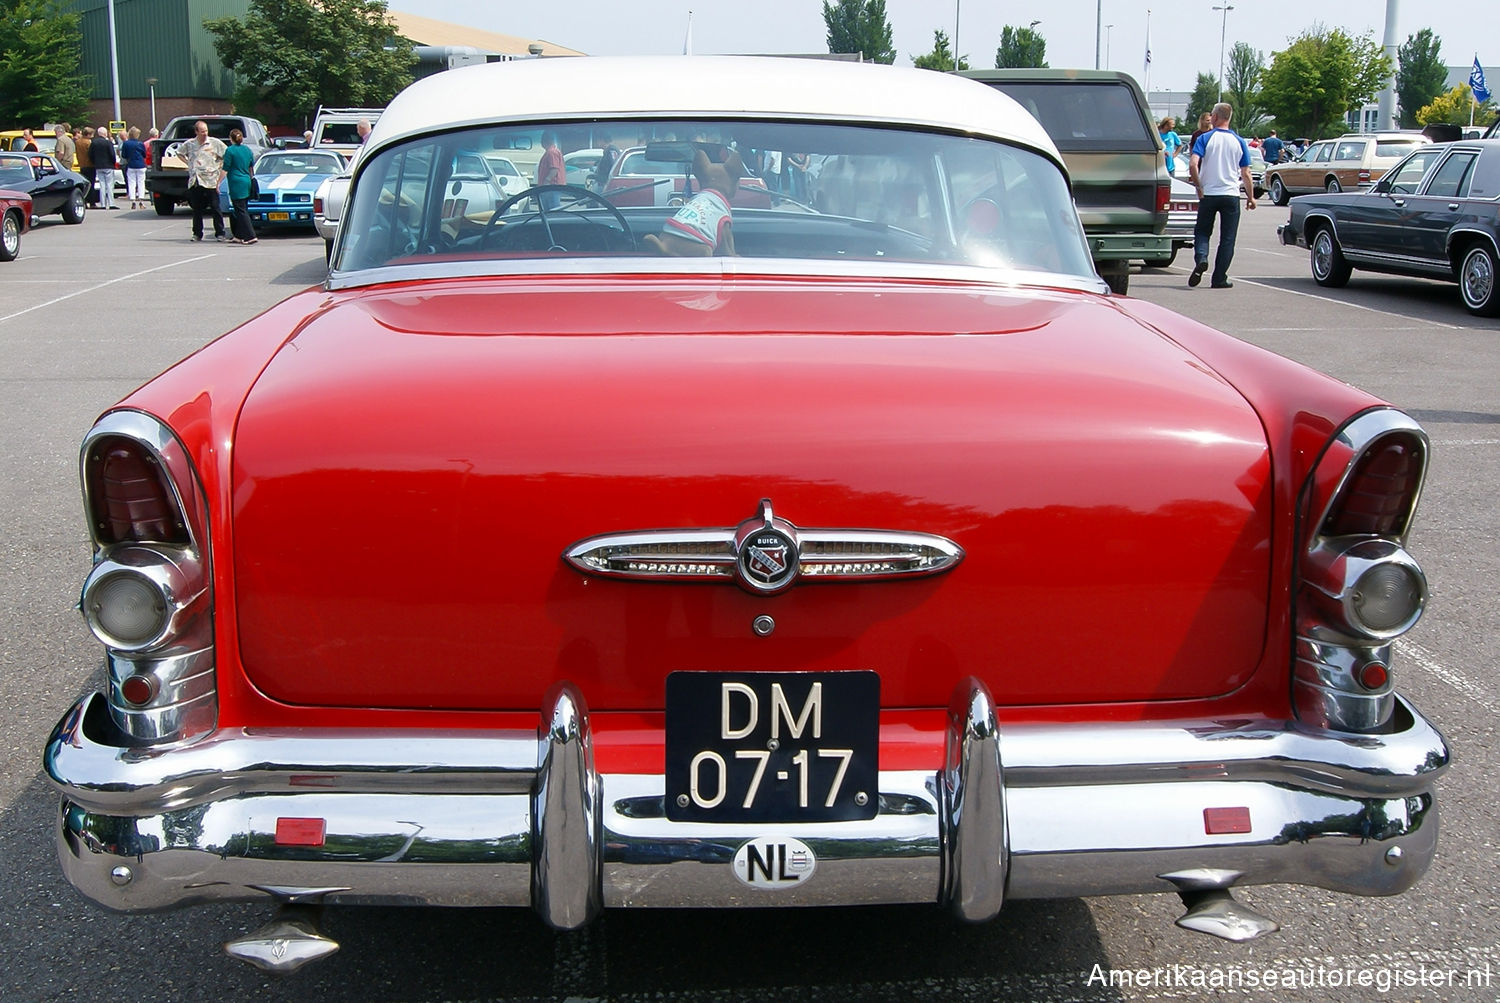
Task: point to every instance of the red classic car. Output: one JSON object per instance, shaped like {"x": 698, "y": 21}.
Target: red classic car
{"x": 15, "y": 219}
{"x": 552, "y": 555}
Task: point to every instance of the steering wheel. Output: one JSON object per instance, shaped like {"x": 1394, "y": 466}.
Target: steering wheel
{"x": 538, "y": 192}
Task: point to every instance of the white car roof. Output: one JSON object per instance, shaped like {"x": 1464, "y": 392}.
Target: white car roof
{"x": 712, "y": 86}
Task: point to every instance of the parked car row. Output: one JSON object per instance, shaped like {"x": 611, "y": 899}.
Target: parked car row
{"x": 32, "y": 185}
{"x": 1434, "y": 215}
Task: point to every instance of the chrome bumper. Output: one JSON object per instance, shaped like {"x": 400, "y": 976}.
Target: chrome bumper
{"x": 515, "y": 818}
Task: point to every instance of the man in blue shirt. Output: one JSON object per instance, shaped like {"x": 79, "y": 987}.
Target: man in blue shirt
{"x": 1220, "y": 164}
{"x": 1271, "y": 148}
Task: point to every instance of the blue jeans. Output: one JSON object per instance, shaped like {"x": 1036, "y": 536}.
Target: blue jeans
{"x": 1227, "y": 207}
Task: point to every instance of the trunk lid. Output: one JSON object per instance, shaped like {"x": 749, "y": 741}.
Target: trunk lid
{"x": 410, "y": 468}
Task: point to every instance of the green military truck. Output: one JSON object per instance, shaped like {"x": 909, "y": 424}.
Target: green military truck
{"x": 1102, "y": 126}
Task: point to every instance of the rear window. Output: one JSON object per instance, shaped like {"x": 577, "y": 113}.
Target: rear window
{"x": 1394, "y": 148}
{"x": 1082, "y": 116}
{"x": 14, "y": 170}
{"x": 1352, "y": 150}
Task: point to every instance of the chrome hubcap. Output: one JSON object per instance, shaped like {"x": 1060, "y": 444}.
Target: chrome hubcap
{"x": 1322, "y": 255}
{"x": 11, "y": 235}
{"x": 1479, "y": 278}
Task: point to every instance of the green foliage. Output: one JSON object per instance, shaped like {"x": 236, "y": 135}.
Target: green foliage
{"x": 41, "y": 50}
{"x": 1242, "y": 88}
{"x": 941, "y": 56}
{"x": 859, "y": 26}
{"x": 1453, "y": 108}
{"x": 1205, "y": 95}
{"x": 1321, "y": 77}
{"x": 297, "y": 54}
{"x": 1020, "y": 47}
{"x": 1421, "y": 75}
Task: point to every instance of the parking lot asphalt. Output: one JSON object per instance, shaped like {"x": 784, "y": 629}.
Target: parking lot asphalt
{"x": 90, "y": 311}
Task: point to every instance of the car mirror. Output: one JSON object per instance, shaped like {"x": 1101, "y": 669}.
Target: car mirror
{"x": 1382, "y": 186}
{"x": 670, "y": 153}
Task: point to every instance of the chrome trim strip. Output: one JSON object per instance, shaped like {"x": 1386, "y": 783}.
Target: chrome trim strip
{"x": 1325, "y": 688}
{"x": 721, "y": 554}
{"x": 565, "y": 872}
{"x": 669, "y": 269}
{"x": 974, "y": 816}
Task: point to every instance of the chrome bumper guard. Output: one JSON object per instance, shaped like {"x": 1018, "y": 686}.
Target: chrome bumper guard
{"x": 514, "y": 818}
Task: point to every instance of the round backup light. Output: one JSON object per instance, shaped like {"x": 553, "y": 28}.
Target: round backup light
{"x": 1387, "y": 597}
{"x": 138, "y": 689}
{"x": 126, "y": 610}
{"x": 1373, "y": 675}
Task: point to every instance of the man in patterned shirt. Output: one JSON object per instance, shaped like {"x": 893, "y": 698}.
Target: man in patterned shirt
{"x": 204, "y": 157}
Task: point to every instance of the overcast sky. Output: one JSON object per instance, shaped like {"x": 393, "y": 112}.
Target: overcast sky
{"x": 1184, "y": 33}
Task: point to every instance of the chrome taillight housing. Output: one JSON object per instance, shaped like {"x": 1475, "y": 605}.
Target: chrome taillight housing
{"x": 1359, "y": 588}
{"x": 149, "y": 597}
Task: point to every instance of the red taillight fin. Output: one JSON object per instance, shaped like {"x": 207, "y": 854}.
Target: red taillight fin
{"x": 132, "y": 499}
{"x": 1376, "y": 500}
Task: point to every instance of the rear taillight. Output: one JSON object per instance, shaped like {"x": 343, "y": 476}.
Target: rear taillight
{"x": 131, "y": 499}
{"x": 1380, "y": 492}
{"x": 1359, "y": 588}
{"x": 318, "y": 206}
{"x": 149, "y": 597}
{"x": 1163, "y": 197}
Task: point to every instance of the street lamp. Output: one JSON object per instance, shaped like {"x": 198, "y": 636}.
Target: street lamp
{"x": 1107, "y": 27}
{"x": 1223, "y": 33}
{"x": 151, "y": 83}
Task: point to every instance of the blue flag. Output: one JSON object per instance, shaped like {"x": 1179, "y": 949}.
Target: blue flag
{"x": 1476, "y": 82}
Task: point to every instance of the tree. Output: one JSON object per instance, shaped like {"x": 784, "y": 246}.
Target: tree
{"x": 298, "y": 54}
{"x": 1205, "y": 95}
{"x": 941, "y": 56}
{"x": 1453, "y": 108}
{"x": 859, "y": 26}
{"x": 1320, "y": 77}
{"x": 1020, "y": 47}
{"x": 1420, "y": 76}
{"x": 41, "y": 50}
{"x": 1242, "y": 88}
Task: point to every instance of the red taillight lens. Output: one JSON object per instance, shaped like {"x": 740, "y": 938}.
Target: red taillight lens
{"x": 1377, "y": 498}
{"x": 131, "y": 498}
{"x": 318, "y": 206}
{"x": 1163, "y": 197}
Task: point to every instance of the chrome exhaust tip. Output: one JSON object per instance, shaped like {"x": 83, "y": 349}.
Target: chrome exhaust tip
{"x": 290, "y": 940}
{"x": 1219, "y": 913}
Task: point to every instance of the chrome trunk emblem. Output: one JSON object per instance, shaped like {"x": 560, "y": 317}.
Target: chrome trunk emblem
{"x": 764, "y": 554}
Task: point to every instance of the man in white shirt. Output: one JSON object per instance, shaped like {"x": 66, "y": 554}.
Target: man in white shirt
{"x": 1220, "y": 164}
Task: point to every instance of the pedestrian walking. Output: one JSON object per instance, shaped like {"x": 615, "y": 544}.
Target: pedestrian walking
{"x": 102, "y": 157}
{"x": 1220, "y": 164}
{"x": 29, "y": 142}
{"x": 133, "y": 158}
{"x": 238, "y": 163}
{"x": 1271, "y": 148}
{"x": 204, "y": 156}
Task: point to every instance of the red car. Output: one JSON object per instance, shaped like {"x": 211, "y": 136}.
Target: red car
{"x": 15, "y": 219}
{"x": 555, "y": 557}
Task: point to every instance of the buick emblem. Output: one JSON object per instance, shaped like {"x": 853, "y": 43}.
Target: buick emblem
{"x": 768, "y": 551}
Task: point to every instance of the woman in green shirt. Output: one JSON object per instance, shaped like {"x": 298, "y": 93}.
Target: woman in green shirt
{"x": 237, "y": 164}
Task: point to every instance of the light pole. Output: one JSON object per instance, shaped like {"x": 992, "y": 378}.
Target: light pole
{"x": 151, "y": 83}
{"x": 957, "y": 10}
{"x": 1098, "y": 32}
{"x": 1107, "y": 28}
{"x": 1223, "y": 33}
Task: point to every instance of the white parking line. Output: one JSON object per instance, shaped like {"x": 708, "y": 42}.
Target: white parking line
{"x": 1352, "y": 306}
{"x": 1452, "y": 677}
{"x": 109, "y": 282}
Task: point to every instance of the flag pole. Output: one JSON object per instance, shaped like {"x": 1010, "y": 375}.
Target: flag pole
{"x": 1148, "y": 56}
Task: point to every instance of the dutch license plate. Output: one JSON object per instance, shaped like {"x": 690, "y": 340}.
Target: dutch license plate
{"x": 279, "y": 217}
{"x": 772, "y": 746}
